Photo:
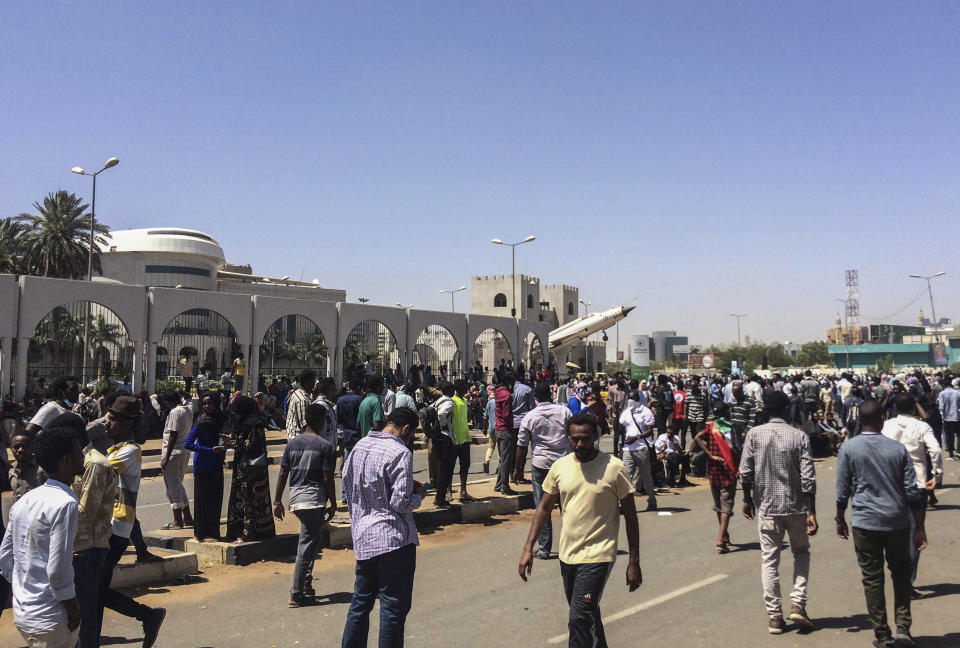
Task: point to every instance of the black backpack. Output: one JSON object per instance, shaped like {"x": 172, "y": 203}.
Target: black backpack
{"x": 430, "y": 423}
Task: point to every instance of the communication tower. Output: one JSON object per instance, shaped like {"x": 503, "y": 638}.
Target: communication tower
{"x": 852, "y": 303}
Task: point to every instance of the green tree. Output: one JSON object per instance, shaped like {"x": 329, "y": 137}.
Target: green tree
{"x": 56, "y": 240}
{"x": 57, "y": 331}
{"x": 885, "y": 364}
{"x": 100, "y": 334}
{"x": 813, "y": 353}
{"x": 11, "y": 246}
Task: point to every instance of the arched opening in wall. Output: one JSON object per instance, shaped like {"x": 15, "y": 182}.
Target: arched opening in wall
{"x": 163, "y": 361}
{"x": 68, "y": 341}
{"x": 531, "y": 353}
{"x": 569, "y": 308}
{"x": 291, "y": 344}
{"x": 529, "y": 301}
{"x": 199, "y": 328}
{"x": 490, "y": 347}
{"x": 500, "y": 301}
{"x": 370, "y": 347}
{"x": 437, "y": 348}
{"x": 209, "y": 360}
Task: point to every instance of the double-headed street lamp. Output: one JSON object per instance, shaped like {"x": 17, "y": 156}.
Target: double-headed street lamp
{"x": 513, "y": 267}
{"x": 739, "y": 347}
{"x": 452, "y": 293}
{"x": 112, "y": 162}
{"x": 933, "y": 310}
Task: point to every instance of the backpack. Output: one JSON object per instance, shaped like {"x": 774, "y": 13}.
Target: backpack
{"x": 430, "y": 423}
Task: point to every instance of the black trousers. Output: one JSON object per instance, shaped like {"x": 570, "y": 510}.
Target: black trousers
{"x": 872, "y": 548}
{"x": 583, "y": 585}
{"x": 447, "y": 457}
{"x": 677, "y": 464}
{"x": 111, "y": 598}
{"x": 207, "y": 503}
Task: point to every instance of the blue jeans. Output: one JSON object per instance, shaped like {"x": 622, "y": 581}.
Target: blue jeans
{"x": 86, "y": 569}
{"x": 537, "y": 475}
{"x": 388, "y": 577}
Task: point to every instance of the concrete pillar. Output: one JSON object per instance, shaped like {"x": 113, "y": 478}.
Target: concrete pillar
{"x": 337, "y": 367}
{"x": 20, "y": 381}
{"x": 253, "y": 369}
{"x": 136, "y": 380}
{"x": 151, "y": 377}
{"x": 5, "y": 374}
{"x": 246, "y": 377}
{"x": 331, "y": 360}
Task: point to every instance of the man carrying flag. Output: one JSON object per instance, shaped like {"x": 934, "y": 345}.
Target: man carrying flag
{"x": 721, "y": 471}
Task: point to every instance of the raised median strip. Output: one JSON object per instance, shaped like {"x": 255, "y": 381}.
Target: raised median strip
{"x": 173, "y": 565}
{"x": 284, "y": 545}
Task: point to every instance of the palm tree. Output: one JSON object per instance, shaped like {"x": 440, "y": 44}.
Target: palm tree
{"x": 57, "y": 331}
{"x": 11, "y": 246}
{"x": 56, "y": 241}
{"x": 102, "y": 333}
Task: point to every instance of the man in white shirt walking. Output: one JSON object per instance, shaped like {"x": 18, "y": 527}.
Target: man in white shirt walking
{"x": 919, "y": 440}
{"x": 37, "y": 551}
{"x": 173, "y": 463}
{"x": 638, "y": 451}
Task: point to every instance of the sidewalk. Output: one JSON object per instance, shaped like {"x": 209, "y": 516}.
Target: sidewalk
{"x": 284, "y": 545}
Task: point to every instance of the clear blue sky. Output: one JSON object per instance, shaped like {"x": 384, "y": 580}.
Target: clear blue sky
{"x": 711, "y": 156}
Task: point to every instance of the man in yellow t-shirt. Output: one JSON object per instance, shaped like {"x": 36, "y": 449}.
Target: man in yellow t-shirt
{"x": 239, "y": 367}
{"x": 593, "y": 489}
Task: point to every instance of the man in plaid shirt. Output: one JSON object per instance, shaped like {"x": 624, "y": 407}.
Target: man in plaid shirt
{"x": 779, "y": 489}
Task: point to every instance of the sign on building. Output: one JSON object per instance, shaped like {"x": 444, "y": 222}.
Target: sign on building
{"x": 640, "y": 357}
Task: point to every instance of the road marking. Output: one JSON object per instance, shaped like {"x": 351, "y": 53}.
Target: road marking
{"x": 649, "y": 604}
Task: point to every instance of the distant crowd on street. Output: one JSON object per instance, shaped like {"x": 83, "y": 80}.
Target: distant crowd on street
{"x": 78, "y": 462}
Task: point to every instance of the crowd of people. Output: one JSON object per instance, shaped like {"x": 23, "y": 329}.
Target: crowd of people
{"x": 78, "y": 463}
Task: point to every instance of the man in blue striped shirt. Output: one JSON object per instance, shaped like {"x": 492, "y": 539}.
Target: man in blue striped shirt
{"x": 381, "y": 496}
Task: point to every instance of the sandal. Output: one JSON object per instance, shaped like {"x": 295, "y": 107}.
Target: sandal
{"x": 171, "y": 526}
{"x": 722, "y": 548}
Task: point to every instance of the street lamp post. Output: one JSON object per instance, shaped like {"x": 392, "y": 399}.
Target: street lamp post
{"x": 513, "y": 268}
{"x": 739, "y": 347}
{"x": 111, "y": 162}
{"x": 933, "y": 310}
{"x": 452, "y": 293}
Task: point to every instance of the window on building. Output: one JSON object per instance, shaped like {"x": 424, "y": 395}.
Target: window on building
{"x": 529, "y": 301}
{"x": 500, "y": 301}
{"x": 570, "y": 308}
{"x": 183, "y": 270}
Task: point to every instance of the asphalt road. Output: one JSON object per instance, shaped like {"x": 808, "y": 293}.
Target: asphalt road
{"x": 467, "y": 591}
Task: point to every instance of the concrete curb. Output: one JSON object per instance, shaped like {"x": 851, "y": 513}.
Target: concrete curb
{"x": 126, "y": 575}
{"x": 285, "y": 545}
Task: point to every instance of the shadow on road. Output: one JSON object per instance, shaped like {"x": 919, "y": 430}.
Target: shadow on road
{"x": 940, "y": 589}
{"x": 747, "y": 546}
{"x": 854, "y": 623}
{"x": 943, "y": 507}
{"x": 111, "y": 641}
{"x": 951, "y": 640}
{"x": 336, "y": 598}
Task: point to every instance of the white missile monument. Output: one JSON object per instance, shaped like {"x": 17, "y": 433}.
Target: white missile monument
{"x": 563, "y": 339}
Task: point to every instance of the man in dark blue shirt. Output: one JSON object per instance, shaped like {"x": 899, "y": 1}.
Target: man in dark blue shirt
{"x": 878, "y": 475}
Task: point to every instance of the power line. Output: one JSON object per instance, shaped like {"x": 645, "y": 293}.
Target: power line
{"x": 913, "y": 301}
